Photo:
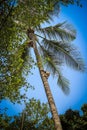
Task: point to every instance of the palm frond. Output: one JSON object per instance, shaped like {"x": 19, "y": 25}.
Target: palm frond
{"x": 60, "y": 31}
{"x": 63, "y": 83}
{"x": 53, "y": 66}
{"x": 48, "y": 57}
{"x": 67, "y": 52}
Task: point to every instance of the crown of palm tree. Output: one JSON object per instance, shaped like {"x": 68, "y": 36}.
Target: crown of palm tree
{"x": 55, "y": 47}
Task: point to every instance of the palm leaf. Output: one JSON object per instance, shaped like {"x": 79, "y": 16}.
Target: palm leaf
{"x": 53, "y": 66}
{"x": 63, "y": 83}
{"x": 60, "y": 31}
{"x": 67, "y": 52}
{"x": 47, "y": 56}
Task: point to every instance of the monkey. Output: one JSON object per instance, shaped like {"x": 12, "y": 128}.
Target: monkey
{"x": 46, "y": 73}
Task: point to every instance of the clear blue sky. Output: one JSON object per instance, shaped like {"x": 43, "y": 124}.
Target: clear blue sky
{"x": 78, "y": 81}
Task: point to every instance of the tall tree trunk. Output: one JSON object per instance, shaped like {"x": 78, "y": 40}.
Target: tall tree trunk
{"x": 47, "y": 90}
{"x": 44, "y": 77}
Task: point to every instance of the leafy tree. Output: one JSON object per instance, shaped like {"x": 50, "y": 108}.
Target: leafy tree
{"x": 33, "y": 13}
{"x": 84, "y": 117}
{"x": 6, "y": 9}
{"x": 34, "y": 117}
{"x": 11, "y": 62}
{"x": 73, "y": 120}
{"x": 12, "y": 71}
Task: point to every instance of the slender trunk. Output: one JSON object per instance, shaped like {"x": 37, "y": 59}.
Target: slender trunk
{"x": 22, "y": 121}
{"x": 47, "y": 90}
{"x": 44, "y": 77}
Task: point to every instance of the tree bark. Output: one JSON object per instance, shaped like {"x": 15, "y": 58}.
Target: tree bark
{"x": 56, "y": 119}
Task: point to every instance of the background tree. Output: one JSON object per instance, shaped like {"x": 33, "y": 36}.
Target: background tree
{"x": 12, "y": 71}
{"x": 36, "y": 115}
{"x": 40, "y": 119}
{"x": 73, "y": 120}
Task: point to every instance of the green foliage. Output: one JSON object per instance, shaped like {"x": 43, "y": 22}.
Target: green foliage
{"x": 60, "y": 31}
{"x": 56, "y": 49}
{"x": 11, "y": 62}
{"x": 6, "y": 9}
{"x": 36, "y": 112}
{"x": 32, "y": 13}
{"x": 35, "y": 116}
{"x": 72, "y": 120}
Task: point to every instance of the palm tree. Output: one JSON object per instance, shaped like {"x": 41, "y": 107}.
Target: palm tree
{"x": 53, "y": 44}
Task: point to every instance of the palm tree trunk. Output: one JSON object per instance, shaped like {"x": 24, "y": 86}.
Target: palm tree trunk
{"x": 47, "y": 90}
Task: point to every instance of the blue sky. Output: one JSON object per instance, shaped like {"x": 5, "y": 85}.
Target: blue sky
{"x": 78, "y": 81}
